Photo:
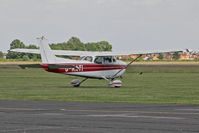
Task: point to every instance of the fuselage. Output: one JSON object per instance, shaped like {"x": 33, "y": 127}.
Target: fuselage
{"x": 90, "y": 69}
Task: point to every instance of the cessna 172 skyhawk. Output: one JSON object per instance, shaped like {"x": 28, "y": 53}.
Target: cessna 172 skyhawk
{"x": 99, "y": 65}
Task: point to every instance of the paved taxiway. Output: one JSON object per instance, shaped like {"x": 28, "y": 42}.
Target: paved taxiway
{"x": 75, "y": 117}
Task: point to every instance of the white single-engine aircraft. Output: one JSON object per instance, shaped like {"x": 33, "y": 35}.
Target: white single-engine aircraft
{"x": 99, "y": 65}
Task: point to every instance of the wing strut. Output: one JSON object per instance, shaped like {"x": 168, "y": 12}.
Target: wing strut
{"x": 77, "y": 85}
{"x": 126, "y": 66}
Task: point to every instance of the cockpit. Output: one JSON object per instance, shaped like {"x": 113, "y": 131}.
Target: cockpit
{"x": 99, "y": 59}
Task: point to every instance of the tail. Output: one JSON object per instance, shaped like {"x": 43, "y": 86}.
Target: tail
{"x": 47, "y": 56}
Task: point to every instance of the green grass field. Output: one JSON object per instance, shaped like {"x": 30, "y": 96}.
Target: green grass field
{"x": 158, "y": 84}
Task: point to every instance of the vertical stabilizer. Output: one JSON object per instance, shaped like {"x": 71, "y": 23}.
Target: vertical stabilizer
{"x": 47, "y": 55}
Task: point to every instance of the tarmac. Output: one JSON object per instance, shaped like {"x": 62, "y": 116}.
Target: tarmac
{"x": 80, "y": 117}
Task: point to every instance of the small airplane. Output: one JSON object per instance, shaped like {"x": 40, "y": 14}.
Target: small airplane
{"x": 98, "y": 65}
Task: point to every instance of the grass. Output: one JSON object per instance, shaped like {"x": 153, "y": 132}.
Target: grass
{"x": 159, "y": 84}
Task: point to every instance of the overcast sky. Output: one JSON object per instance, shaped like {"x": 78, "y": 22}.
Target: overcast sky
{"x": 126, "y": 24}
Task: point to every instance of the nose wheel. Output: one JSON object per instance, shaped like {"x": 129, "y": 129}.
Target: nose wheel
{"x": 115, "y": 83}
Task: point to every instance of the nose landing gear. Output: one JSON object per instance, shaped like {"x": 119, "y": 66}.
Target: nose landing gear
{"x": 115, "y": 83}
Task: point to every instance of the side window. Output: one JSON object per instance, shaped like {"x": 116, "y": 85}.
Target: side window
{"x": 89, "y": 58}
{"x": 104, "y": 60}
{"x": 114, "y": 59}
{"x": 107, "y": 60}
{"x": 82, "y": 58}
{"x": 98, "y": 60}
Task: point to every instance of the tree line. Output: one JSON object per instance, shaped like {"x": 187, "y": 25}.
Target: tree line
{"x": 73, "y": 43}
{"x": 1, "y": 55}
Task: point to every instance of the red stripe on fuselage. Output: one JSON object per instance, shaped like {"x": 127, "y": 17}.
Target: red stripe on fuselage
{"x": 84, "y": 67}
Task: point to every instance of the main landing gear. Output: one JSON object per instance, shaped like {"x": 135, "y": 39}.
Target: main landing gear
{"x": 77, "y": 82}
{"x": 112, "y": 83}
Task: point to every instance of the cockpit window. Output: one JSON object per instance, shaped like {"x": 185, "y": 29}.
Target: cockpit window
{"x": 107, "y": 60}
{"x": 114, "y": 59}
{"x": 99, "y": 60}
{"x": 82, "y": 58}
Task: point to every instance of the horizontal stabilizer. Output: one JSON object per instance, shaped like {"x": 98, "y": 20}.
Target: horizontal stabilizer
{"x": 51, "y": 66}
{"x": 30, "y": 66}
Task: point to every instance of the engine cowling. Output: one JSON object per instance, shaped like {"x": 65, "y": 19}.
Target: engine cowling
{"x": 115, "y": 83}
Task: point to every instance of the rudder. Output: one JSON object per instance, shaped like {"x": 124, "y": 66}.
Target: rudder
{"x": 47, "y": 56}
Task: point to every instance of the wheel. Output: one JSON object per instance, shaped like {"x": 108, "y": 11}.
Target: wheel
{"x": 75, "y": 82}
{"x": 115, "y": 83}
{"x": 76, "y": 85}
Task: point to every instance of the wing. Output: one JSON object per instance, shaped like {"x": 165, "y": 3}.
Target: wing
{"x": 102, "y": 53}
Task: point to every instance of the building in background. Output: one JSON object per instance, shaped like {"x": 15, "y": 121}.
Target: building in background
{"x": 4, "y": 55}
{"x": 187, "y": 55}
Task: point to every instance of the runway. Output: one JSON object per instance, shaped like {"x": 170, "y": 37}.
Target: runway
{"x": 77, "y": 117}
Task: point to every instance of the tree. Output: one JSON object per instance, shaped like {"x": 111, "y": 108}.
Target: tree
{"x": 75, "y": 44}
{"x": 33, "y": 56}
{"x": 15, "y": 44}
{"x": 14, "y": 55}
{"x": 140, "y": 59}
{"x": 1, "y": 55}
{"x": 161, "y": 56}
{"x": 25, "y": 58}
{"x": 57, "y": 46}
{"x": 99, "y": 46}
{"x": 176, "y": 56}
{"x": 32, "y": 46}
{"x": 90, "y": 46}
{"x": 105, "y": 46}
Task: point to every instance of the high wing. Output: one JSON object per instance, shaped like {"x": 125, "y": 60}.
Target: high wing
{"x": 99, "y": 53}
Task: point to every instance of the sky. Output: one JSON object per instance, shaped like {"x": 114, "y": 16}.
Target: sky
{"x": 126, "y": 24}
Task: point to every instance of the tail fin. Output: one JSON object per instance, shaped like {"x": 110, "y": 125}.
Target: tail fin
{"x": 47, "y": 56}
